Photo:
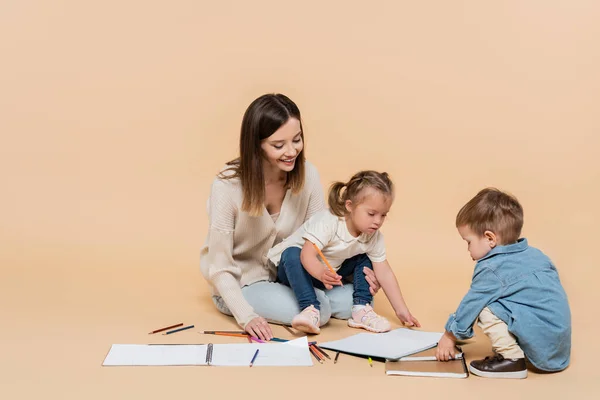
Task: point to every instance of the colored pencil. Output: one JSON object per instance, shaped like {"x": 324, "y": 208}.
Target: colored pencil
{"x": 315, "y": 354}
{"x": 215, "y": 332}
{"x": 322, "y": 351}
{"x": 165, "y": 329}
{"x": 254, "y": 358}
{"x": 178, "y": 330}
{"x": 287, "y": 328}
{"x": 231, "y": 334}
{"x": 276, "y": 339}
{"x": 325, "y": 261}
{"x": 316, "y": 349}
{"x": 336, "y": 357}
{"x": 370, "y": 362}
{"x": 257, "y": 339}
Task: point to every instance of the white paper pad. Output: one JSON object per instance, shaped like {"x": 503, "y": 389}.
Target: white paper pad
{"x": 288, "y": 354}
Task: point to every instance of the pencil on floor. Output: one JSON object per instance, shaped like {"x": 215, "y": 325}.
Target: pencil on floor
{"x": 323, "y": 351}
{"x": 165, "y": 329}
{"x": 315, "y": 354}
{"x": 231, "y": 334}
{"x": 178, "y": 330}
{"x": 287, "y": 328}
{"x": 336, "y": 357}
{"x": 316, "y": 349}
{"x": 325, "y": 261}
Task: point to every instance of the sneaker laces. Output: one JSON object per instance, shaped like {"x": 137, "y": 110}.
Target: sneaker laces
{"x": 370, "y": 318}
{"x": 494, "y": 358}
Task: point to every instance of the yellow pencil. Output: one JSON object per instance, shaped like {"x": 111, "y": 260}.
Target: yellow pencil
{"x": 325, "y": 260}
{"x": 370, "y": 362}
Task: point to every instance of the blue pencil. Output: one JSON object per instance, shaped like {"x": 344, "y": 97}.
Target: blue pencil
{"x": 254, "y": 358}
{"x": 180, "y": 329}
{"x": 276, "y": 339}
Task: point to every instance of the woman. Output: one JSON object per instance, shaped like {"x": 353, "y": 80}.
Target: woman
{"x": 255, "y": 202}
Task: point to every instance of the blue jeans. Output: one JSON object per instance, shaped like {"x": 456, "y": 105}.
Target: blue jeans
{"x": 291, "y": 273}
{"x": 277, "y": 304}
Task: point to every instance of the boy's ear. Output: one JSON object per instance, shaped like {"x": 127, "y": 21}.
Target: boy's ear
{"x": 348, "y": 205}
{"x": 491, "y": 238}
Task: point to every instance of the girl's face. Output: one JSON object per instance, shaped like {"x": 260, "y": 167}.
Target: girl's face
{"x": 368, "y": 216}
{"x": 282, "y": 147}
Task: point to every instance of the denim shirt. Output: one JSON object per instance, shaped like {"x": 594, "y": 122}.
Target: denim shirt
{"x": 520, "y": 285}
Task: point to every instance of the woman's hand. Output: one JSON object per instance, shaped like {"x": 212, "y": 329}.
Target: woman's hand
{"x": 259, "y": 328}
{"x": 374, "y": 285}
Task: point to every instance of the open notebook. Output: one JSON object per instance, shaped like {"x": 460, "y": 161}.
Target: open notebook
{"x": 293, "y": 353}
{"x": 390, "y": 345}
{"x": 425, "y": 364}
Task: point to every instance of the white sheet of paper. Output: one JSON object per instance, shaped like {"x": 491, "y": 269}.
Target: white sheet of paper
{"x": 155, "y": 354}
{"x": 289, "y": 354}
{"x": 293, "y": 353}
{"x": 390, "y": 345}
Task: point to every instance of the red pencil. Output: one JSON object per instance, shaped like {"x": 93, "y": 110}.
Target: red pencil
{"x": 315, "y": 354}
{"x": 164, "y": 329}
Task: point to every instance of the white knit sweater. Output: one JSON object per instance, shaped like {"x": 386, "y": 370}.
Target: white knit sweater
{"x": 235, "y": 251}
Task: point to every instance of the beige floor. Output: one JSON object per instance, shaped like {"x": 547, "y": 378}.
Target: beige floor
{"x": 60, "y": 318}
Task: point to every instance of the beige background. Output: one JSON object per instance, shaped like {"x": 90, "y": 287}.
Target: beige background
{"x": 116, "y": 115}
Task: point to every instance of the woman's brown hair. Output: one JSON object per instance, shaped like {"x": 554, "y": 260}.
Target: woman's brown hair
{"x": 264, "y": 116}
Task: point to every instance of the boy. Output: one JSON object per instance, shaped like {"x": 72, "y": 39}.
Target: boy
{"x": 515, "y": 293}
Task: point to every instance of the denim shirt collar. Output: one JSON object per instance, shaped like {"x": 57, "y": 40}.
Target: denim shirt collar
{"x": 521, "y": 245}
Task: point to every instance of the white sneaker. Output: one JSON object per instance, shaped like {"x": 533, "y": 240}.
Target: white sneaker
{"x": 366, "y": 318}
{"x": 308, "y": 320}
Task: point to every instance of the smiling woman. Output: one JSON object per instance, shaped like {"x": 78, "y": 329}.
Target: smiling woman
{"x": 257, "y": 200}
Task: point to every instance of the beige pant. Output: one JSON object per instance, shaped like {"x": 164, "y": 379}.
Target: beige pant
{"x": 503, "y": 342}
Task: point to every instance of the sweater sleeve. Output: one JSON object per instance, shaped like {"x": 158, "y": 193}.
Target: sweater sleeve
{"x": 223, "y": 272}
{"x": 316, "y": 201}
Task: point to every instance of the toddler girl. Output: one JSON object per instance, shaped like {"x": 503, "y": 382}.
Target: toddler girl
{"x": 348, "y": 236}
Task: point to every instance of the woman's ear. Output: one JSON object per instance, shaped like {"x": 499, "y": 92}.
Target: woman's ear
{"x": 349, "y": 205}
{"x": 491, "y": 238}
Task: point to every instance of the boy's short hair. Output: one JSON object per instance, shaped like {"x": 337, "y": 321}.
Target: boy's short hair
{"x": 493, "y": 210}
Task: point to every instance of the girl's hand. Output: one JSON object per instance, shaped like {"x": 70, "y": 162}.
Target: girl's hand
{"x": 407, "y": 318}
{"x": 259, "y": 328}
{"x": 446, "y": 349}
{"x": 374, "y": 285}
{"x": 330, "y": 279}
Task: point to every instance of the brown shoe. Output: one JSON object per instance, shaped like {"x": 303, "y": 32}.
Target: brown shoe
{"x": 499, "y": 367}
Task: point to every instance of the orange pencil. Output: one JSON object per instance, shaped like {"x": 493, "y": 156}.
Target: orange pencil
{"x": 231, "y": 334}
{"x": 312, "y": 351}
{"x": 325, "y": 260}
{"x": 316, "y": 350}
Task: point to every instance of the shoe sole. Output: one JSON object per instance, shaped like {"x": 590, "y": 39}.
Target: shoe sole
{"x": 499, "y": 375}
{"x": 354, "y": 324}
{"x": 306, "y": 328}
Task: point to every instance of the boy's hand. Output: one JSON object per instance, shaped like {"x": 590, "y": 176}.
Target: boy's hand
{"x": 407, "y": 319}
{"x": 330, "y": 279}
{"x": 446, "y": 349}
